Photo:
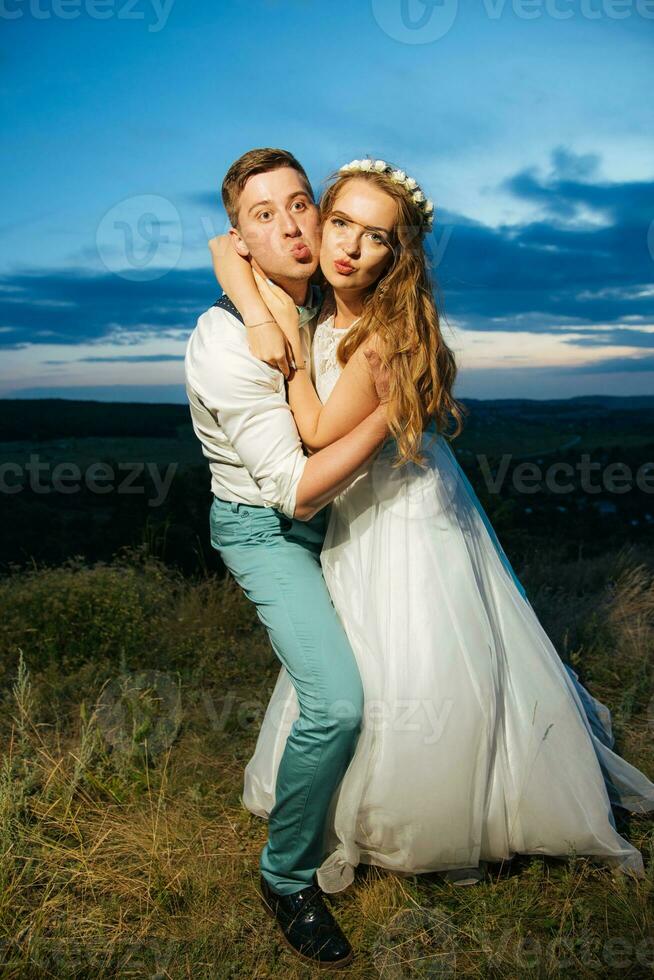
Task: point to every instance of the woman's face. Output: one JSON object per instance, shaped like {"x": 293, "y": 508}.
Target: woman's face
{"x": 356, "y": 235}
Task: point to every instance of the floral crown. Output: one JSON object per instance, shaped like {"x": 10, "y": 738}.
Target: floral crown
{"x": 398, "y": 177}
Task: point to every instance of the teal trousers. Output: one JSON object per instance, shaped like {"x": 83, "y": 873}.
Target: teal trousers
{"x": 276, "y": 561}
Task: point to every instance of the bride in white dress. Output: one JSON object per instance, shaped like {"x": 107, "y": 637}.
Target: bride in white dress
{"x": 477, "y": 742}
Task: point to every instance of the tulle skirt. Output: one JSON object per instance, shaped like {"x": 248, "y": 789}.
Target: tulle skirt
{"x": 477, "y": 741}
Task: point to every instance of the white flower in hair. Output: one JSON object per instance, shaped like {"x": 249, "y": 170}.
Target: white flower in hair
{"x": 426, "y": 207}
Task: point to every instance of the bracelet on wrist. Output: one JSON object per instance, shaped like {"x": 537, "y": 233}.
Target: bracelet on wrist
{"x": 259, "y": 324}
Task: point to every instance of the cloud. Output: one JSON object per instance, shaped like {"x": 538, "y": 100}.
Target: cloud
{"x": 574, "y": 165}
{"x": 624, "y": 204}
{"x": 583, "y": 260}
{"x": 615, "y": 365}
{"x": 159, "y": 394}
{"x": 560, "y": 267}
{"x": 616, "y": 337}
{"x": 128, "y": 358}
{"x": 78, "y": 306}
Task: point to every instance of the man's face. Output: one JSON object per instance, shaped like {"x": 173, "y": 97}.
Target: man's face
{"x": 279, "y": 225}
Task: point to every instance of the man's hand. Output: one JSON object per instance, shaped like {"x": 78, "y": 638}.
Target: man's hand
{"x": 380, "y": 375}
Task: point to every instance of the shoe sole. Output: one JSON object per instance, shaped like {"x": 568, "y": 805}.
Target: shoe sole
{"x": 474, "y": 878}
{"x": 320, "y": 964}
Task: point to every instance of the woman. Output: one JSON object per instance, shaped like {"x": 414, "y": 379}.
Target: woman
{"x": 478, "y": 742}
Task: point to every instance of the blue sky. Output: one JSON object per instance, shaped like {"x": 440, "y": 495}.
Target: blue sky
{"x": 528, "y": 122}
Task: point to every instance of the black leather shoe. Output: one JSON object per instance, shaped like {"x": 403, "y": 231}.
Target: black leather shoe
{"x": 308, "y": 926}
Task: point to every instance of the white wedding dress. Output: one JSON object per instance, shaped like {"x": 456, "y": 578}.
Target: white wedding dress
{"x": 477, "y": 741}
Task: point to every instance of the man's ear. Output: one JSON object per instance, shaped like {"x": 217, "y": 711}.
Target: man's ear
{"x": 238, "y": 243}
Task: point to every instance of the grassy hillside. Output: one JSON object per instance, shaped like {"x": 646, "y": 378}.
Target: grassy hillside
{"x": 132, "y": 698}
{"x": 41, "y": 419}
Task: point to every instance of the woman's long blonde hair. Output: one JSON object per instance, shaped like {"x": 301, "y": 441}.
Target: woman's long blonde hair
{"x": 400, "y": 309}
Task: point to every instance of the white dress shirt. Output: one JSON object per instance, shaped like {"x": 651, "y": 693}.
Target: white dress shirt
{"x": 240, "y": 413}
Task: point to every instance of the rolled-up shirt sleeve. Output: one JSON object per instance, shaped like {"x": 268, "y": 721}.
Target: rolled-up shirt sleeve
{"x": 249, "y": 400}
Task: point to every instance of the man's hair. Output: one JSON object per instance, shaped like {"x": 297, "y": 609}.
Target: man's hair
{"x": 256, "y": 161}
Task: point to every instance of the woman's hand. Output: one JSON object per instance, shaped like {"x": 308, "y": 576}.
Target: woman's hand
{"x": 268, "y": 343}
{"x": 218, "y": 246}
{"x": 282, "y": 308}
{"x": 234, "y": 273}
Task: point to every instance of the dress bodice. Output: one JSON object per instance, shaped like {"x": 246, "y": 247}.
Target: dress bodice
{"x": 325, "y": 369}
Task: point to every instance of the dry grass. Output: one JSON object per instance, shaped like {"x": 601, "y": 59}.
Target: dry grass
{"x": 136, "y": 858}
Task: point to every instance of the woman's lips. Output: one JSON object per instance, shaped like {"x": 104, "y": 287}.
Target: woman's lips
{"x": 343, "y": 268}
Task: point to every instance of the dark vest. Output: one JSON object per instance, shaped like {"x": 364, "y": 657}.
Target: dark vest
{"x": 225, "y": 303}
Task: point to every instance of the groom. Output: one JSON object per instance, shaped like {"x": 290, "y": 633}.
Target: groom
{"x": 268, "y": 520}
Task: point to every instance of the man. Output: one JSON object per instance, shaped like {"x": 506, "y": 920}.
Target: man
{"x": 268, "y": 520}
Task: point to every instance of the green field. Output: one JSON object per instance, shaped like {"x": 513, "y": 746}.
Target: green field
{"x": 125, "y": 848}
